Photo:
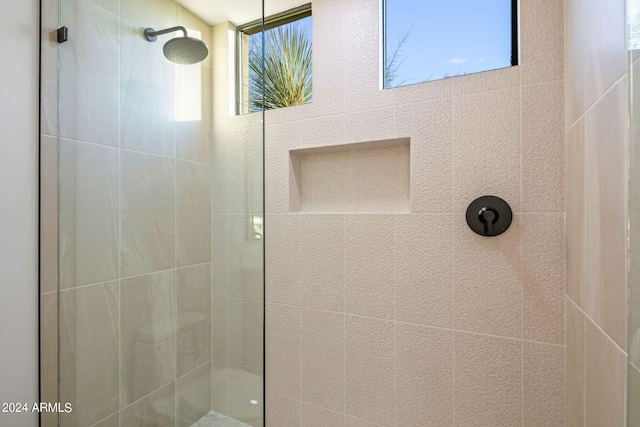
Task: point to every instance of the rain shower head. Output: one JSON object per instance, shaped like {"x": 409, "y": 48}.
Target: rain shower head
{"x": 181, "y": 50}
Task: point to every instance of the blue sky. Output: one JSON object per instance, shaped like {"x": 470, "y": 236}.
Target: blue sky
{"x": 448, "y": 37}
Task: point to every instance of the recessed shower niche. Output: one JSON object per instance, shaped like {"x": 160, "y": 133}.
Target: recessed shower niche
{"x": 372, "y": 176}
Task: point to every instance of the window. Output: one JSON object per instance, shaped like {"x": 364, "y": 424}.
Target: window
{"x": 432, "y": 40}
{"x": 286, "y": 79}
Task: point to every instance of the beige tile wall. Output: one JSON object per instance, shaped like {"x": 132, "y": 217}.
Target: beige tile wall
{"x": 410, "y": 319}
{"x": 126, "y": 205}
{"x": 596, "y": 75}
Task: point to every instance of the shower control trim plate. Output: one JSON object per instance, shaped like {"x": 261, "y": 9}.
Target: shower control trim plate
{"x": 489, "y": 216}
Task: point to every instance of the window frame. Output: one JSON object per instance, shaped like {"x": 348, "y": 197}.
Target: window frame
{"x": 242, "y": 51}
{"x": 515, "y": 41}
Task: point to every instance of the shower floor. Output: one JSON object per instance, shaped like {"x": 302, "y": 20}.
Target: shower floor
{"x": 213, "y": 419}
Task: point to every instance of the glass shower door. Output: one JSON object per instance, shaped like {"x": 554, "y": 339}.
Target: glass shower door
{"x": 160, "y": 212}
{"x": 633, "y": 280}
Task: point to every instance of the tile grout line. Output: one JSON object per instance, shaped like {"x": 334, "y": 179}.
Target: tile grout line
{"x": 175, "y": 281}
{"x": 300, "y": 359}
{"x": 131, "y": 150}
{"x": 126, "y": 278}
{"x": 587, "y": 317}
{"x": 591, "y": 107}
{"x": 419, "y": 325}
{"x": 344, "y": 322}
{"x": 395, "y": 325}
{"x": 120, "y": 210}
{"x": 452, "y": 259}
{"x": 521, "y": 263}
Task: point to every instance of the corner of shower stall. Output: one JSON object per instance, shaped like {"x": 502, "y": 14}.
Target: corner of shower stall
{"x": 152, "y": 287}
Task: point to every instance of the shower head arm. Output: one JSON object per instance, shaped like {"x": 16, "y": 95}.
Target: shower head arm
{"x": 152, "y": 34}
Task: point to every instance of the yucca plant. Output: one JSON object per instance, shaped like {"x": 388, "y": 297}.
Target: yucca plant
{"x": 285, "y": 79}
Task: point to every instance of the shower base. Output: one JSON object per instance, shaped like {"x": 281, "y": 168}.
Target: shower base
{"x": 214, "y": 419}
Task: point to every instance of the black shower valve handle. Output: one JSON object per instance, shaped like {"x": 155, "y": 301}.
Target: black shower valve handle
{"x": 489, "y": 216}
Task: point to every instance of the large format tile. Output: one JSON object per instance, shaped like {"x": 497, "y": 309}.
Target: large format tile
{"x": 89, "y": 74}
{"x": 488, "y": 381}
{"x": 219, "y": 335}
{"x": 359, "y": 53}
{"x": 111, "y": 421}
{"x": 575, "y": 33}
{"x": 501, "y": 78}
{"x": 606, "y": 47}
{"x": 370, "y": 369}
{"x": 148, "y": 334}
{"x": 148, "y": 206}
{"x": 147, "y": 92}
{"x": 428, "y": 124}
{"x": 282, "y": 411}
{"x": 323, "y": 363}
{"x": 150, "y": 13}
{"x": 49, "y": 99}
{"x": 543, "y": 277}
{"x": 88, "y": 198}
{"x": 543, "y": 148}
{"x": 575, "y": 365}
{"x": 633, "y": 395}
{"x": 543, "y": 387}
{"x": 193, "y": 396}
{"x": 49, "y": 219}
{"x": 193, "y": 129}
{"x": 193, "y": 299}
{"x": 487, "y": 280}
{"x": 322, "y": 261}
{"x": 424, "y": 376}
{"x": 246, "y": 257}
{"x": 541, "y": 35}
{"x": 423, "y": 287}
{"x": 194, "y": 94}
{"x": 220, "y": 254}
{"x": 220, "y": 143}
{"x": 245, "y": 170}
{"x": 328, "y": 45}
{"x": 92, "y": 313}
{"x": 219, "y": 394}
{"x": 576, "y": 252}
{"x": 245, "y": 341}
{"x": 606, "y": 181}
{"x": 486, "y": 147}
{"x": 315, "y": 416}
{"x": 283, "y": 348}
{"x": 158, "y": 409}
{"x": 280, "y": 184}
{"x": 605, "y": 380}
{"x": 193, "y": 202}
{"x": 369, "y": 268}
{"x": 49, "y": 363}
{"x": 282, "y": 256}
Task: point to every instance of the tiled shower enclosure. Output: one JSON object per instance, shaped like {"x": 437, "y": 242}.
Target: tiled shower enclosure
{"x": 380, "y": 307}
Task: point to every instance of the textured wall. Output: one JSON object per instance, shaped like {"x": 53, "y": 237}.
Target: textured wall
{"x": 128, "y": 185}
{"x": 596, "y": 136}
{"x": 410, "y": 318}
